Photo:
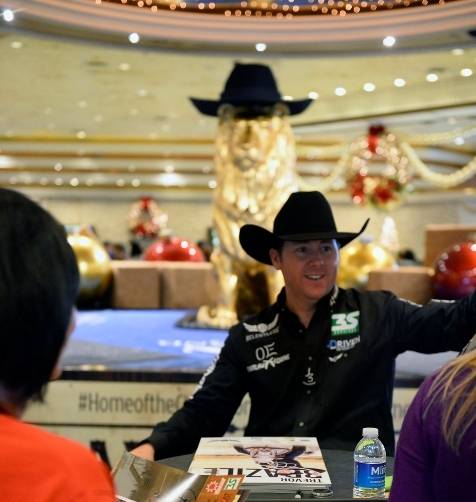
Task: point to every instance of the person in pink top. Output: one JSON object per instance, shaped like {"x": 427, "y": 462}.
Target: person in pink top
{"x": 39, "y": 282}
{"x": 436, "y": 452}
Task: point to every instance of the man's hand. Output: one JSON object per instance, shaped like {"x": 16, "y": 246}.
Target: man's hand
{"x": 145, "y": 450}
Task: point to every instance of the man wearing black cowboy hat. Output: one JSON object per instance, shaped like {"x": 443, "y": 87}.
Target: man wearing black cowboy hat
{"x": 320, "y": 361}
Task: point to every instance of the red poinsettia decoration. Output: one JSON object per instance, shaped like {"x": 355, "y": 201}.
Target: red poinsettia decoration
{"x": 146, "y": 219}
{"x": 381, "y": 192}
{"x": 377, "y": 171}
{"x": 374, "y": 133}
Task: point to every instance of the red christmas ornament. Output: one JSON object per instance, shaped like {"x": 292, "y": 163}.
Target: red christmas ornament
{"x": 455, "y": 271}
{"x": 173, "y": 249}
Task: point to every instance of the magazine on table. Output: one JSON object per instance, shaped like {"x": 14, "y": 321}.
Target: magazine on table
{"x": 140, "y": 480}
{"x": 268, "y": 464}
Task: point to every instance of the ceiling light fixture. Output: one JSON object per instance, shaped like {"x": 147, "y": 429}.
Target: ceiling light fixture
{"x": 340, "y": 91}
{"x": 313, "y": 95}
{"x": 260, "y": 47}
{"x": 466, "y": 72}
{"x": 134, "y": 38}
{"x": 432, "y": 77}
{"x": 389, "y": 41}
{"x": 369, "y": 87}
{"x": 8, "y": 15}
{"x": 399, "y": 82}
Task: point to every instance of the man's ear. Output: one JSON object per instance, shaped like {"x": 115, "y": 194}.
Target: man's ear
{"x": 275, "y": 258}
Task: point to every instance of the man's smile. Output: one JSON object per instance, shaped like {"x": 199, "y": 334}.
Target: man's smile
{"x": 314, "y": 277}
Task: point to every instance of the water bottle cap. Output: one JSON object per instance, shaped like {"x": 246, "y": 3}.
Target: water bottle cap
{"x": 370, "y": 432}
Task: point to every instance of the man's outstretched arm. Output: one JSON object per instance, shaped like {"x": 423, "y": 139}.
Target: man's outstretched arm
{"x": 207, "y": 413}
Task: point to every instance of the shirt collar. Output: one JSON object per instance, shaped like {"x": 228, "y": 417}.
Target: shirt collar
{"x": 326, "y": 302}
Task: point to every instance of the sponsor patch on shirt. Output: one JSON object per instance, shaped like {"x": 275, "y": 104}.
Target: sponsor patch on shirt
{"x": 261, "y": 330}
{"x": 345, "y": 323}
{"x": 266, "y": 364}
{"x": 343, "y": 344}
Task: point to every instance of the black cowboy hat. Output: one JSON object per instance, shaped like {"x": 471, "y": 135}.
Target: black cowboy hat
{"x": 250, "y": 85}
{"x": 304, "y": 216}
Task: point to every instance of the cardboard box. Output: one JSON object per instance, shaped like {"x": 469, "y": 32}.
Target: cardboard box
{"x": 187, "y": 285}
{"x": 136, "y": 285}
{"x": 411, "y": 283}
{"x": 440, "y": 237}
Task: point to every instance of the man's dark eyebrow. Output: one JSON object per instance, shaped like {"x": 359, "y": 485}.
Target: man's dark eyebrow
{"x": 322, "y": 241}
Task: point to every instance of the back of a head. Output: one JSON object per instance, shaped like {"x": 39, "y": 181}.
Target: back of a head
{"x": 455, "y": 387}
{"x": 39, "y": 281}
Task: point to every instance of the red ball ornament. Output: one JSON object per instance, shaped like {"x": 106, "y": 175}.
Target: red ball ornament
{"x": 455, "y": 271}
{"x": 173, "y": 249}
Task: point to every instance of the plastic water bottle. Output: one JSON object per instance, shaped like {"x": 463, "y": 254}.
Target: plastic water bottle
{"x": 369, "y": 465}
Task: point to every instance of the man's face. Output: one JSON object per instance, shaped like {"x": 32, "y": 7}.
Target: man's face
{"x": 309, "y": 269}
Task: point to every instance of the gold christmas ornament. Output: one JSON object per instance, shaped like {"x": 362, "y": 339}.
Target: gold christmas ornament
{"x": 357, "y": 259}
{"x": 94, "y": 266}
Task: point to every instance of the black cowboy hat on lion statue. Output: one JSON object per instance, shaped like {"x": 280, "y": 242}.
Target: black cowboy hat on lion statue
{"x": 252, "y": 87}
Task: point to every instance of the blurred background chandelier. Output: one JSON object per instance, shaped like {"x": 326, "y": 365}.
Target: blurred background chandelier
{"x": 275, "y": 8}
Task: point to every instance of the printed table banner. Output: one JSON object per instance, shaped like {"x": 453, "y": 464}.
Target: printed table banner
{"x": 109, "y": 416}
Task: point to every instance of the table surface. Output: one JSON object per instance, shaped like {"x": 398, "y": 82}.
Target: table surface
{"x": 339, "y": 463}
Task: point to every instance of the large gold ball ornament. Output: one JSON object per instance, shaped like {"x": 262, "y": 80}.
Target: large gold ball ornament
{"x": 358, "y": 259}
{"x": 94, "y": 266}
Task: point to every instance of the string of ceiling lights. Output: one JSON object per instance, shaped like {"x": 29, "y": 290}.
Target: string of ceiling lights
{"x": 276, "y": 8}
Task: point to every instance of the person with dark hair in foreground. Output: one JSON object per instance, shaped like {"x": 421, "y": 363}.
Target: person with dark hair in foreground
{"x": 39, "y": 282}
{"x": 320, "y": 361}
{"x": 436, "y": 450}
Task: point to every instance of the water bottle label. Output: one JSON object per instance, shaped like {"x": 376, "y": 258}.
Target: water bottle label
{"x": 369, "y": 475}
